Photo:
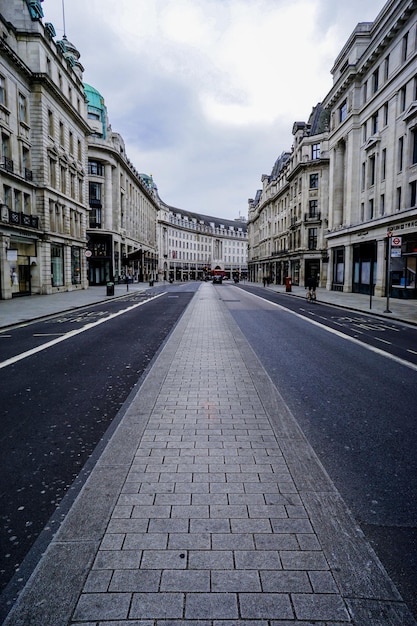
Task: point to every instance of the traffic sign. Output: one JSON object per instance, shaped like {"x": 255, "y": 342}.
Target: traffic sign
{"x": 396, "y": 241}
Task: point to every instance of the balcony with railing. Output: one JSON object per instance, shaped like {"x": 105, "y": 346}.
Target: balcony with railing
{"x": 22, "y": 219}
{"x": 7, "y": 164}
{"x": 312, "y": 217}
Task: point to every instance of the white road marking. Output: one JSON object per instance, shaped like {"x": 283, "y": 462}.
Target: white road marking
{"x": 72, "y": 333}
{"x": 338, "y": 333}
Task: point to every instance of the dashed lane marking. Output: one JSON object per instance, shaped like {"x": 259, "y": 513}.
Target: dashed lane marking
{"x": 73, "y": 333}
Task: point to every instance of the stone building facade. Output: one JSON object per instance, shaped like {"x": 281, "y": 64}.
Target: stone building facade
{"x": 74, "y": 210}
{"x": 123, "y": 206}
{"x": 372, "y": 236}
{"x": 289, "y": 216}
{"x": 366, "y": 173}
{"x": 43, "y": 165}
{"x": 194, "y": 246}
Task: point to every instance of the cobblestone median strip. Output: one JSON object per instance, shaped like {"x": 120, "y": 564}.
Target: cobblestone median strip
{"x": 214, "y": 524}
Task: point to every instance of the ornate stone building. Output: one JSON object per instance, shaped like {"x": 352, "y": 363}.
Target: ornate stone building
{"x": 43, "y": 165}
{"x": 373, "y": 156}
{"x": 194, "y": 246}
{"x": 343, "y": 202}
{"x": 124, "y": 204}
{"x": 289, "y": 215}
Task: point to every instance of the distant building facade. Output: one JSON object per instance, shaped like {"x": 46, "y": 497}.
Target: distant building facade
{"x": 343, "y": 201}
{"x": 288, "y": 218}
{"x": 194, "y": 246}
{"x": 123, "y": 206}
{"x": 43, "y": 164}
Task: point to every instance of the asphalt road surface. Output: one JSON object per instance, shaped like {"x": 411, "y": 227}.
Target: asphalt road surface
{"x": 57, "y": 404}
{"x": 350, "y": 380}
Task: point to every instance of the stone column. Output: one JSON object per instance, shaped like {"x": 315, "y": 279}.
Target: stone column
{"x": 108, "y": 197}
{"x": 339, "y": 180}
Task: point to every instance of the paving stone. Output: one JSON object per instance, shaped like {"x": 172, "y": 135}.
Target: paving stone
{"x": 211, "y": 605}
{"x": 235, "y": 581}
{"x": 306, "y": 560}
{"x": 117, "y": 559}
{"x": 258, "y": 559}
{"x": 164, "y": 559}
{"x": 190, "y": 541}
{"x": 232, "y": 541}
{"x": 155, "y": 541}
{"x": 112, "y": 541}
{"x": 209, "y": 525}
{"x": 189, "y": 580}
{"x": 102, "y": 606}
{"x": 265, "y": 605}
{"x": 285, "y": 582}
{"x": 211, "y": 559}
{"x": 275, "y": 541}
{"x": 319, "y": 607}
{"x": 98, "y": 581}
{"x": 157, "y": 606}
{"x": 135, "y": 580}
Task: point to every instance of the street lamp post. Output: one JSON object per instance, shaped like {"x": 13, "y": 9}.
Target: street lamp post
{"x": 388, "y": 278}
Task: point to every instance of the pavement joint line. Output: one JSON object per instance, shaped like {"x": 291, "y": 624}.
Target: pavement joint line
{"x": 87, "y": 541}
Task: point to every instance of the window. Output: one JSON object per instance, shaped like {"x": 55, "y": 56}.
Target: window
{"x": 312, "y": 238}
{"x": 375, "y": 81}
{"x": 61, "y": 134}
{"x": 94, "y": 192}
{"x": 343, "y": 111}
{"x": 371, "y": 170}
{"x": 95, "y": 168}
{"x": 363, "y": 177}
{"x": 22, "y": 108}
{"x": 17, "y": 201}
{"x": 382, "y": 205}
{"x": 383, "y": 164}
{"x": 63, "y": 180}
{"x": 2, "y": 91}
{"x": 364, "y": 93}
{"x": 400, "y": 153}
{"x": 386, "y": 114}
{"x": 315, "y": 151}
{"x": 364, "y": 132}
{"x": 312, "y": 208}
{"x": 398, "y": 207}
{"x": 403, "y": 94}
{"x": 50, "y": 123}
{"x": 386, "y": 68}
{"x": 404, "y": 48}
{"x": 52, "y": 172}
{"x": 414, "y": 146}
{"x": 71, "y": 143}
{"x": 5, "y": 146}
{"x": 375, "y": 124}
{"x": 413, "y": 188}
{"x": 371, "y": 209}
{"x": 314, "y": 181}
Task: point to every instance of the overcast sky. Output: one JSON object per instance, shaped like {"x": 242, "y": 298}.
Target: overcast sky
{"x": 205, "y": 92}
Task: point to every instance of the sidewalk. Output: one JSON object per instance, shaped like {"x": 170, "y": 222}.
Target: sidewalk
{"x": 208, "y": 507}
{"x": 28, "y": 308}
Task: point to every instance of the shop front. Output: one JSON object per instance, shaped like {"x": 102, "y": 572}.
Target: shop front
{"x": 20, "y": 256}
